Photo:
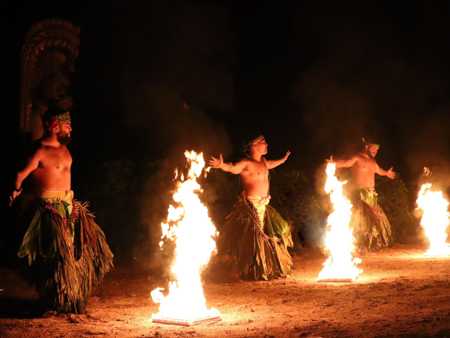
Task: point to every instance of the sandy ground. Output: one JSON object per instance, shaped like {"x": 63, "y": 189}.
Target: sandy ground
{"x": 400, "y": 293}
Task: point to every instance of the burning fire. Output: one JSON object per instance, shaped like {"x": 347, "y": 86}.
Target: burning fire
{"x": 191, "y": 228}
{"x": 340, "y": 265}
{"x": 434, "y": 220}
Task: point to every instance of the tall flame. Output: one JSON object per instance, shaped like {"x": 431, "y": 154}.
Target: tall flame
{"x": 339, "y": 240}
{"x": 435, "y": 220}
{"x": 192, "y": 230}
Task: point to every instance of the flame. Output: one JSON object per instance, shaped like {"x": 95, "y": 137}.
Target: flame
{"x": 434, "y": 220}
{"x": 192, "y": 230}
{"x": 339, "y": 240}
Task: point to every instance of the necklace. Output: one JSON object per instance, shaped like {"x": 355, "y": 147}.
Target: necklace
{"x": 263, "y": 164}
{"x": 260, "y": 162}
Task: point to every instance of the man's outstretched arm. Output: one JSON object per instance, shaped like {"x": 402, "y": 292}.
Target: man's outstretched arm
{"x": 234, "y": 168}
{"x": 275, "y": 163}
{"x": 389, "y": 173}
{"x": 343, "y": 163}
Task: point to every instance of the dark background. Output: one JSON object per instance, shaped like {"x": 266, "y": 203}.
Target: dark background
{"x": 313, "y": 76}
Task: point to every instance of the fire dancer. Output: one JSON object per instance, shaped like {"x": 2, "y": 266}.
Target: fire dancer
{"x": 255, "y": 235}
{"x": 371, "y": 227}
{"x": 67, "y": 251}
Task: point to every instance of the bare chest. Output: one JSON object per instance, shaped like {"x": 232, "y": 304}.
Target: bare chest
{"x": 257, "y": 170}
{"x": 366, "y": 165}
{"x": 56, "y": 159}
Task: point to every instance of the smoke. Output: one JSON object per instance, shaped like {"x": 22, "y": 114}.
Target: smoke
{"x": 336, "y": 115}
{"x": 174, "y": 62}
{"x": 176, "y": 82}
{"x": 161, "y": 116}
{"x": 430, "y": 147}
{"x": 334, "y": 92}
{"x": 372, "y": 71}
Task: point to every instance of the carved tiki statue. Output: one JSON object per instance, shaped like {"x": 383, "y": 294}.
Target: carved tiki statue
{"x": 47, "y": 59}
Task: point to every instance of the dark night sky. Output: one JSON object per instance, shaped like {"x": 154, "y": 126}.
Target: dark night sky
{"x": 312, "y": 76}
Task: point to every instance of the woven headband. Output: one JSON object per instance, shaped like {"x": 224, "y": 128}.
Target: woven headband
{"x": 57, "y": 119}
{"x": 64, "y": 117}
{"x": 250, "y": 143}
{"x": 370, "y": 144}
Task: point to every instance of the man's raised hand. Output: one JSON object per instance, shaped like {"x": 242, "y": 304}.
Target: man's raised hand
{"x": 216, "y": 163}
{"x": 391, "y": 174}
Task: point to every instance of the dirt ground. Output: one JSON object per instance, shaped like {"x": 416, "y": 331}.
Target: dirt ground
{"x": 400, "y": 293}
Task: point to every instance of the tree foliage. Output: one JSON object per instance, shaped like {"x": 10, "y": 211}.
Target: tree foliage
{"x": 131, "y": 200}
{"x": 294, "y": 198}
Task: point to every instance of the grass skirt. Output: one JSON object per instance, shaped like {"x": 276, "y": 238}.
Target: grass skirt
{"x": 371, "y": 227}
{"x": 67, "y": 257}
{"x": 257, "y": 253}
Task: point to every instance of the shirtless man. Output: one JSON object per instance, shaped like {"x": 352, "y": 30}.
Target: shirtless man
{"x": 252, "y": 231}
{"x": 67, "y": 251}
{"x": 364, "y": 167}
{"x": 371, "y": 226}
{"x": 253, "y": 171}
{"x": 50, "y": 162}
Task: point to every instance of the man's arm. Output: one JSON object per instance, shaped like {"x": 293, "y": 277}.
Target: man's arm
{"x": 343, "y": 163}
{"x": 275, "y": 163}
{"x": 382, "y": 172}
{"x": 32, "y": 164}
{"x": 234, "y": 168}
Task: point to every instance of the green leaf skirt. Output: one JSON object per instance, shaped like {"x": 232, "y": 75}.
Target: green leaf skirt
{"x": 67, "y": 254}
{"x": 258, "y": 253}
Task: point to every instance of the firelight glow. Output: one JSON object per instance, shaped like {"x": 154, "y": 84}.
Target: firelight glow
{"x": 435, "y": 220}
{"x": 192, "y": 230}
{"x": 339, "y": 240}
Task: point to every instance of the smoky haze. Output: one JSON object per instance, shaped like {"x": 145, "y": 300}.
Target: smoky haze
{"x": 374, "y": 70}
{"x": 176, "y": 60}
{"x": 154, "y": 78}
{"x": 175, "y": 63}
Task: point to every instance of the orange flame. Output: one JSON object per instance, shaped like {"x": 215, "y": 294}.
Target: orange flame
{"x": 339, "y": 240}
{"x": 435, "y": 220}
{"x": 192, "y": 230}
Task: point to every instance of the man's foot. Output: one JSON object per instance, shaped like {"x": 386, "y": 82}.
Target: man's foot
{"x": 49, "y": 313}
{"x": 45, "y": 308}
{"x": 235, "y": 277}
